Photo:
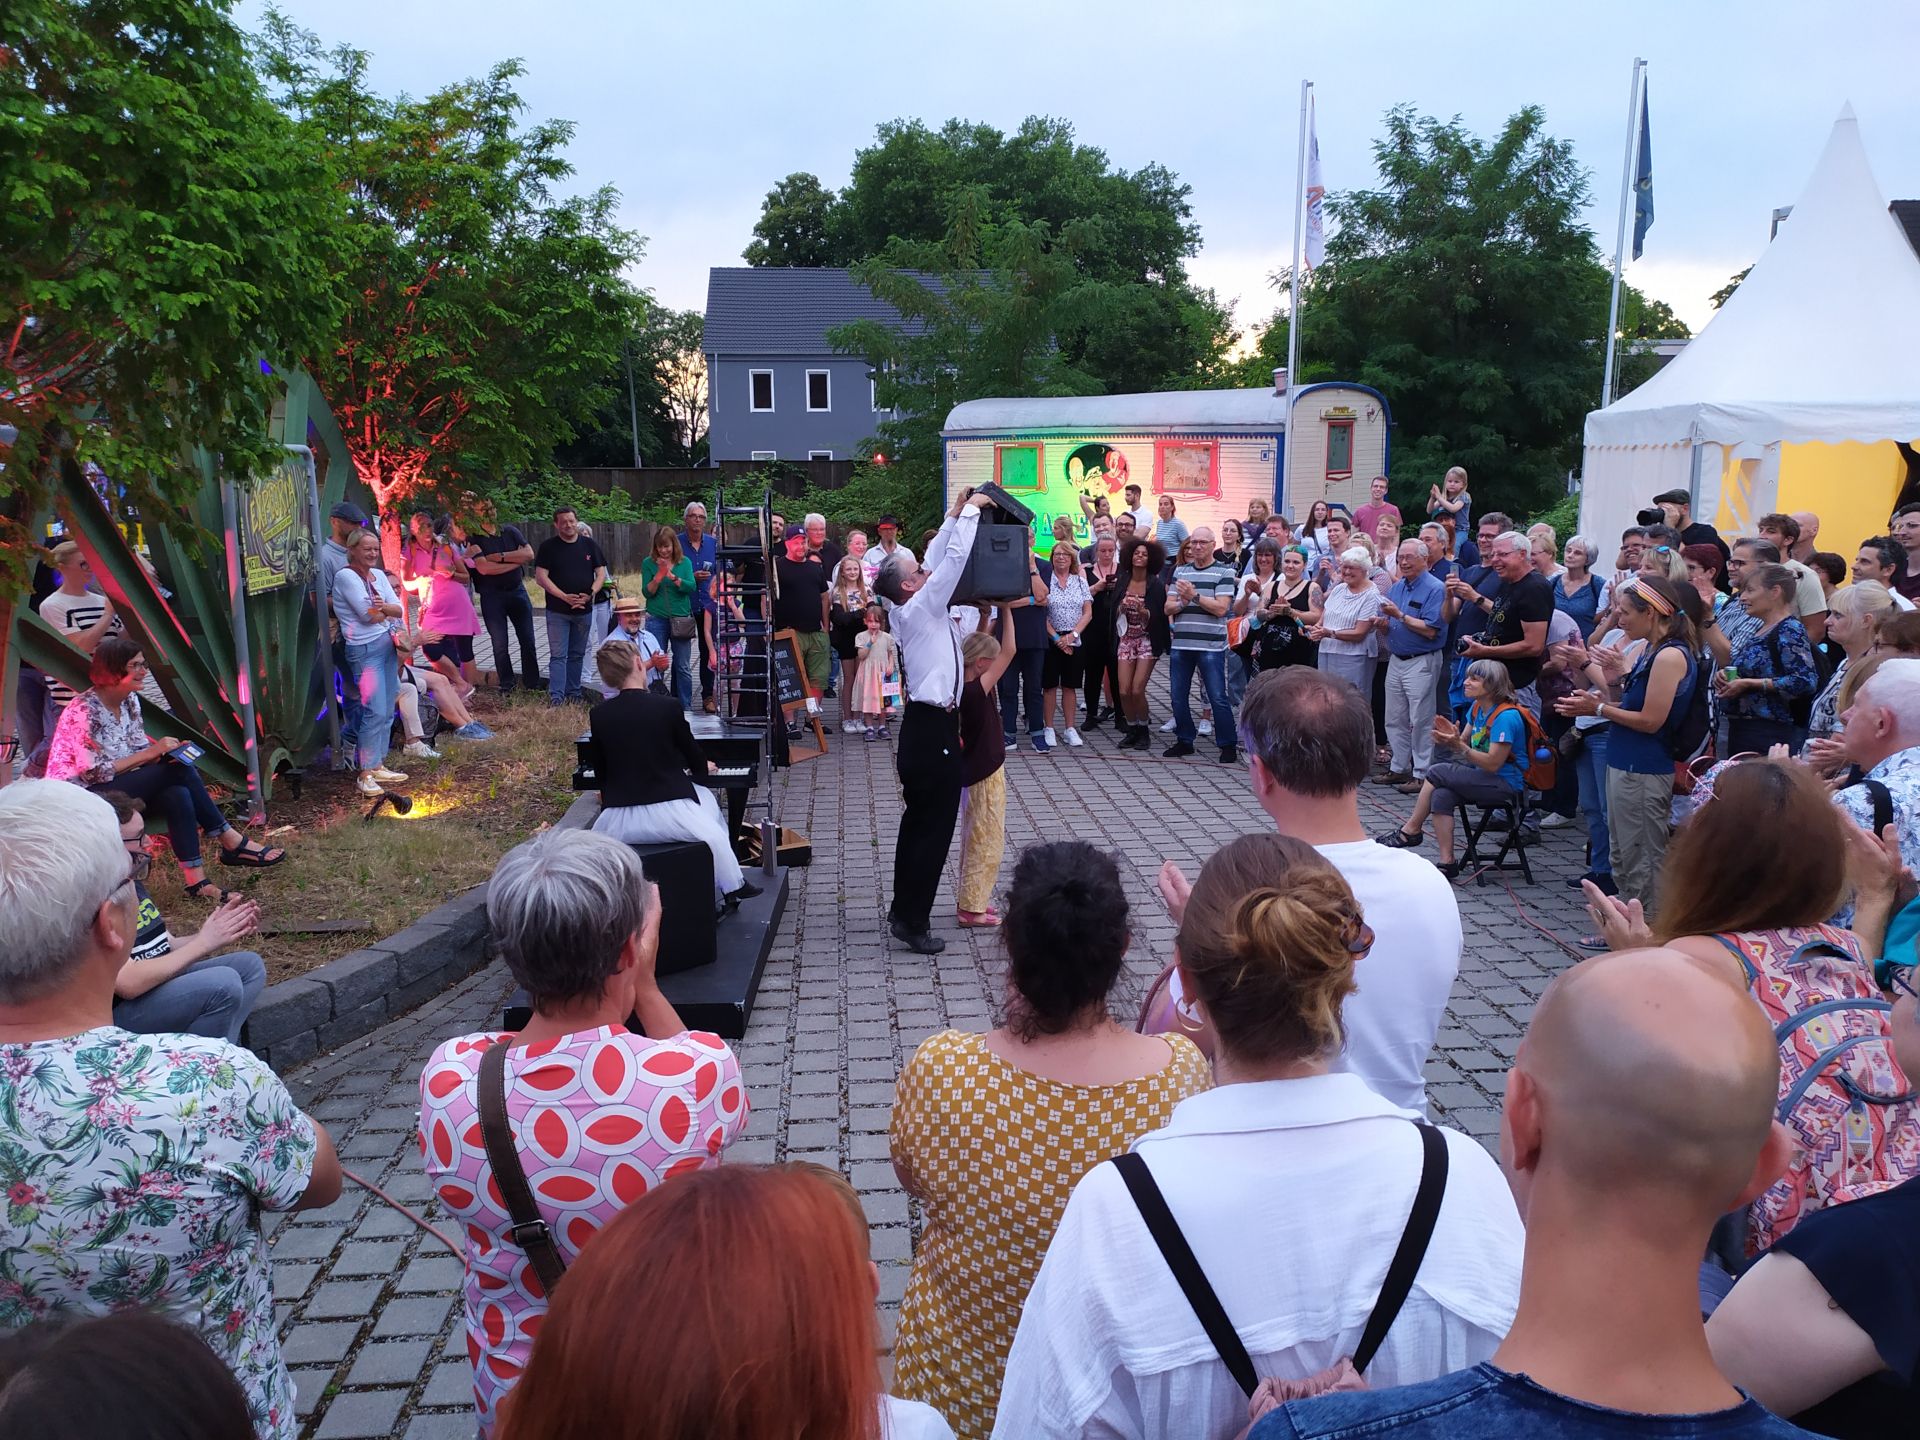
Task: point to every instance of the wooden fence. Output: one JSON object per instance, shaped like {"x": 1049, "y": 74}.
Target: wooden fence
{"x": 625, "y": 546}
{"x": 790, "y": 477}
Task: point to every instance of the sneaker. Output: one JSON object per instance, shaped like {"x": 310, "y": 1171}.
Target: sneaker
{"x": 1051, "y": 738}
{"x": 1205, "y": 727}
{"x": 1167, "y": 729}
{"x": 474, "y": 730}
{"x": 1011, "y": 741}
{"x": 367, "y": 785}
{"x": 388, "y": 777}
{"x": 1229, "y": 755}
{"x": 1041, "y": 743}
{"x": 851, "y": 727}
{"x": 420, "y": 750}
{"x": 1553, "y": 821}
{"x": 1176, "y": 750}
{"x": 1073, "y": 738}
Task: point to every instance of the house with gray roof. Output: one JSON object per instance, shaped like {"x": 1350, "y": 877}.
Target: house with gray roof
{"x": 776, "y": 390}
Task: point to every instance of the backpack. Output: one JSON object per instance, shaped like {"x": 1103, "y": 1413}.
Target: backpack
{"x": 1903, "y": 929}
{"x": 1346, "y": 1373}
{"x": 1856, "y": 1129}
{"x": 1542, "y": 760}
{"x": 1687, "y": 734}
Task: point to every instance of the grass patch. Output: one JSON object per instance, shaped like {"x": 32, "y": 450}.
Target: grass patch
{"x": 469, "y": 808}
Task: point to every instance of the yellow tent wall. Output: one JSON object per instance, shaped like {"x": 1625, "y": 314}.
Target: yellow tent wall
{"x": 1850, "y": 486}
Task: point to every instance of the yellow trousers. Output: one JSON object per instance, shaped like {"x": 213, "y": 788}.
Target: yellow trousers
{"x": 983, "y": 839}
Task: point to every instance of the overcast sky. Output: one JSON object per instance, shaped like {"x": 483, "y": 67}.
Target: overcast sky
{"x": 694, "y": 110}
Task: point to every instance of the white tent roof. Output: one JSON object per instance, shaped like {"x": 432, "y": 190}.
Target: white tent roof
{"x": 1259, "y": 409}
{"x": 1817, "y": 344}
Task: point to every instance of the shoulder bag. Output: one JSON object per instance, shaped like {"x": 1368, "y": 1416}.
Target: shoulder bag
{"x": 527, "y": 1229}
{"x": 1268, "y": 1394}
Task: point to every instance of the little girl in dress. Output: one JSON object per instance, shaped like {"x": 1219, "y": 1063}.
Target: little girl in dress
{"x": 877, "y": 688}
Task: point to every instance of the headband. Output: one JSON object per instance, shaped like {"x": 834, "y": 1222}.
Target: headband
{"x": 1654, "y": 599}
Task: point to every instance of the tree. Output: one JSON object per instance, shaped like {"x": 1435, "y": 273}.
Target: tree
{"x": 986, "y": 308}
{"x": 1725, "y": 292}
{"x": 794, "y": 225}
{"x": 668, "y": 398}
{"x": 163, "y": 231}
{"x": 1133, "y": 232}
{"x": 1466, "y": 290}
{"x": 486, "y": 315}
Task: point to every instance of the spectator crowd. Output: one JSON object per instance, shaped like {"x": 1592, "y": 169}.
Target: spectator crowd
{"x": 1233, "y": 1217}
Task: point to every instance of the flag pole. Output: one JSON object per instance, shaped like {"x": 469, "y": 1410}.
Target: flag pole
{"x": 1620, "y": 236}
{"x": 1293, "y": 305}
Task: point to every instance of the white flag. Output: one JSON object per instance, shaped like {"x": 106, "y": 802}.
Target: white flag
{"x": 1316, "y": 194}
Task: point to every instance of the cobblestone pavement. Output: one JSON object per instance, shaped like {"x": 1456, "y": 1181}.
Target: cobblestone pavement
{"x": 369, "y": 1305}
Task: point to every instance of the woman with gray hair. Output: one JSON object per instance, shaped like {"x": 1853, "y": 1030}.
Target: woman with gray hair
{"x": 1345, "y": 631}
{"x": 1578, "y": 593}
{"x": 598, "y": 1114}
{"x": 1486, "y": 765}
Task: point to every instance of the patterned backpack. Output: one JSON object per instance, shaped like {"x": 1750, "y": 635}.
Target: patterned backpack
{"x": 1852, "y": 1113}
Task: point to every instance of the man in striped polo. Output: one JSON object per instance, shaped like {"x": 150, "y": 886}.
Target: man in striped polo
{"x": 1197, "y": 604}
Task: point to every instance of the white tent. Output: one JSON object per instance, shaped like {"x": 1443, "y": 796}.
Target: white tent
{"x": 1792, "y": 397}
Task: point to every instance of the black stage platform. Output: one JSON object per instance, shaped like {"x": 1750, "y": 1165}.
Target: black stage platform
{"x": 719, "y": 997}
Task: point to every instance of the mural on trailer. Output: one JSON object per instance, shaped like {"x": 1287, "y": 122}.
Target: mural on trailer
{"x": 1053, "y": 476}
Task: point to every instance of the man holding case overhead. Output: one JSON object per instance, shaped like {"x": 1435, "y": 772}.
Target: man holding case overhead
{"x": 929, "y": 755}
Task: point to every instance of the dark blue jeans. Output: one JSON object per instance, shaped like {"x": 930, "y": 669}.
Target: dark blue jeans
{"x": 567, "y": 637}
{"x": 498, "y": 609}
{"x": 176, "y": 791}
{"x": 1212, "y": 666}
{"x": 1025, "y": 670}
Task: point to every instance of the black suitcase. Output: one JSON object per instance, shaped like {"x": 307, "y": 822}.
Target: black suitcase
{"x": 1000, "y": 565}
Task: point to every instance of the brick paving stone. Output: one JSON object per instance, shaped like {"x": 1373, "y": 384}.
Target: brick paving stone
{"x": 389, "y": 1362}
{"x": 356, "y": 1414}
{"x": 309, "y": 1387}
{"x": 291, "y": 1279}
{"x": 840, "y": 1007}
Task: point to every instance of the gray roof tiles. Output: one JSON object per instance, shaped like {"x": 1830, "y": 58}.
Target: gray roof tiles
{"x": 753, "y": 310}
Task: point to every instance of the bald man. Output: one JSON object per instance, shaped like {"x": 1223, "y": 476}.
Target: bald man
{"x": 1638, "y": 1111}
{"x": 1804, "y": 547}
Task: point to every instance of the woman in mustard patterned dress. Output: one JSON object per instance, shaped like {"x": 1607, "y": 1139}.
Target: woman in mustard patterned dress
{"x": 991, "y": 1132}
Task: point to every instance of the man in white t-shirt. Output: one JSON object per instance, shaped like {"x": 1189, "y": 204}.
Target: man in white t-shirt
{"x": 1143, "y": 518}
{"x": 1309, "y": 742}
{"x": 83, "y": 615}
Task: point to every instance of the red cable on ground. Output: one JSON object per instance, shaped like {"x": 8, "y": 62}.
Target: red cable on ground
{"x": 1576, "y": 954}
{"x": 416, "y": 1219}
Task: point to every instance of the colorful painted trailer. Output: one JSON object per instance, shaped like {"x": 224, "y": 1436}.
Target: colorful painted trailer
{"x": 1213, "y": 451}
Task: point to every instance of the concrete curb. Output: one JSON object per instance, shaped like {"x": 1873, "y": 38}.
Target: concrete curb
{"x": 359, "y": 992}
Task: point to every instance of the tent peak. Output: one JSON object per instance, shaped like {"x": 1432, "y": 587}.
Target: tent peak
{"x": 1846, "y": 112}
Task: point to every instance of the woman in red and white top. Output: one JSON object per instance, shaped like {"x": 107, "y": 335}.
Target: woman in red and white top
{"x": 601, "y": 1115}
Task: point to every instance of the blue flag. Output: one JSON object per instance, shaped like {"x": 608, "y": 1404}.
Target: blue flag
{"x": 1643, "y": 181}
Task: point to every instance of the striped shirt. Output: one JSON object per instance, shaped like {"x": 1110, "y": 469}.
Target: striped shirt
{"x": 1193, "y": 627}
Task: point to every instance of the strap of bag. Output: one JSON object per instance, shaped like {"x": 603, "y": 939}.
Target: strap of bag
{"x": 1882, "y": 805}
{"x": 1192, "y": 1280}
{"x": 1413, "y": 1245}
{"x": 1207, "y": 1308}
{"x": 527, "y": 1229}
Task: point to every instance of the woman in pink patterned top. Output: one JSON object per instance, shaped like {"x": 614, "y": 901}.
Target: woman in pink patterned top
{"x": 437, "y": 571}
{"x": 600, "y": 1115}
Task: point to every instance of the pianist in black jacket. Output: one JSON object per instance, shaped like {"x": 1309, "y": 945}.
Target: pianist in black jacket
{"x": 645, "y": 758}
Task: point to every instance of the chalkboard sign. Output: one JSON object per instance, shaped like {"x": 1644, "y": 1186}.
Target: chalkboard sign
{"x": 796, "y": 698}
{"x": 789, "y": 673}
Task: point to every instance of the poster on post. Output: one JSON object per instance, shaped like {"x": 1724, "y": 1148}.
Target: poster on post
{"x": 276, "y": 531}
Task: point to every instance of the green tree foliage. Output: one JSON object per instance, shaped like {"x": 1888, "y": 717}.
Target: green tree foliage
{"x": 1725, "y": 292}
{"x": 1466, "y": 290}
{"x": 161, "y": 231}
{"x": 486, "y": 314}
{"x": 1132, "y": 232}
{"x": 795, "y": 225}
{"x": 669, "y": 398}
{"x": 991, "y": 309}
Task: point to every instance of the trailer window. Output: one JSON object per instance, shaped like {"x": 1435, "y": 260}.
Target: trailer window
{"x": 1016, "y": 467}
{"x": 1339, "y": 449}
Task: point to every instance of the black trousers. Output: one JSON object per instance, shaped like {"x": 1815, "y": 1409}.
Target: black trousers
{"x": 498, "y": 608}
{"x": 928, "y": 759}
{"x": 1101, "y": 664}
{"x": 706, "y": 655}
{"x": 1024, "y": 673}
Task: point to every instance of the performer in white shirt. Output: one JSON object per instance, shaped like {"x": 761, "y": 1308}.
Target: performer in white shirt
{"x": 929, "y": 754}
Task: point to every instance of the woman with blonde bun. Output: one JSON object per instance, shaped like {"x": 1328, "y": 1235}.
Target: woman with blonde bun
{"x": 1292, "y": 1185}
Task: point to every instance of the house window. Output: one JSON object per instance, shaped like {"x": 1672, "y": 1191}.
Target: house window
{"x": 1188, "y": 468}
{"x": 819, "y": 390}
{"x": 819, "y": 454}
{"x": 764, "y": 455}
{"x": 1016, "y": 467}
{"x": 873, "y": 392}
{"x": 1339, "y": 449}
{"x": 760, "y": 383}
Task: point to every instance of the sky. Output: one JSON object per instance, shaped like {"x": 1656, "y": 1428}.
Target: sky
{"x": 694, "y": 111}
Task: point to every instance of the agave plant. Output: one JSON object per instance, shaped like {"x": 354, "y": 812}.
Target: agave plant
{"x": 179, "y": 609}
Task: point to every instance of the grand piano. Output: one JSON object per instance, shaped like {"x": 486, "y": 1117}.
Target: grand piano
{"x": 734, "y": 748}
